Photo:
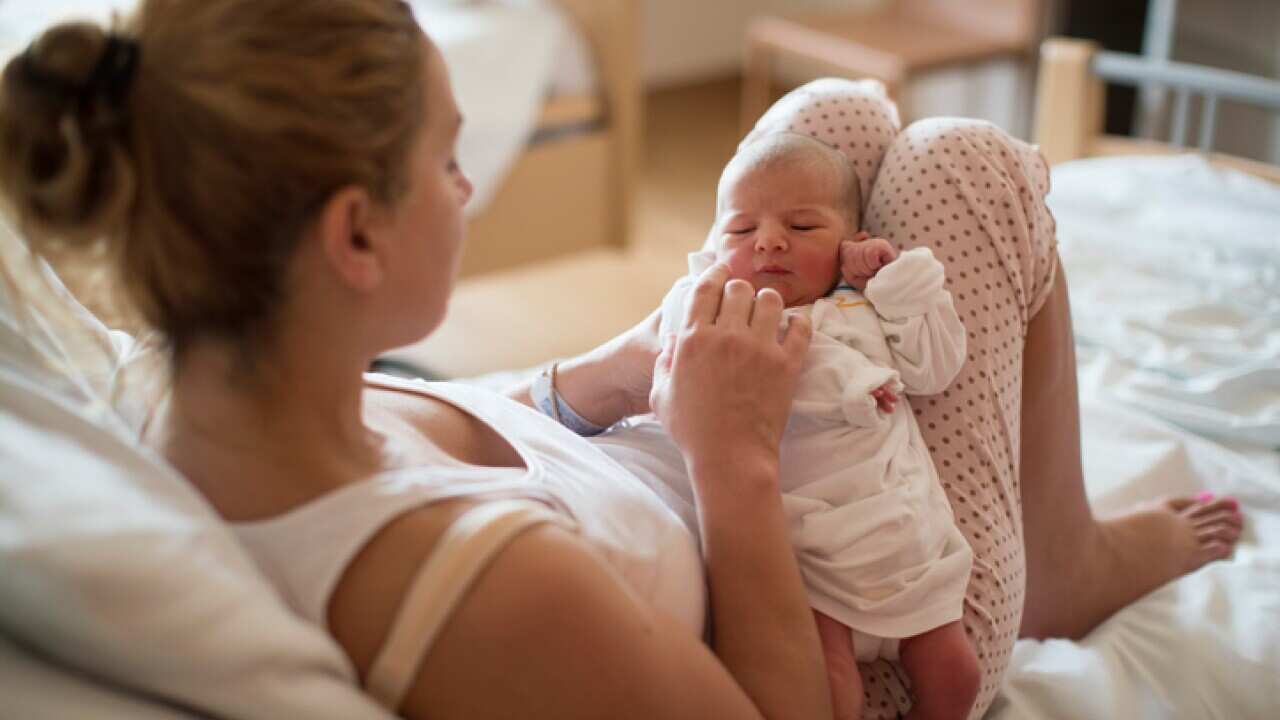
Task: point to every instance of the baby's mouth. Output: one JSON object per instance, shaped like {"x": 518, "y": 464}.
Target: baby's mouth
{"x": 773, "y": 270}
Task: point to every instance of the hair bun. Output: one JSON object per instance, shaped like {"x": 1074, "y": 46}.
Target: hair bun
{"x": 63, "y": 107}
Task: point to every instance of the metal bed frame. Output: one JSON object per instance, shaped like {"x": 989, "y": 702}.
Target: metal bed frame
{"x": 1070, "y": 102}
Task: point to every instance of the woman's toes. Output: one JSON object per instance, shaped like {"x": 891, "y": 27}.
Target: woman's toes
{"x": 1217, "y": 505}
{"x": 1218, "y": 550}
{"x": 1222, "y": 517}
{"x": 1217, "y": 533}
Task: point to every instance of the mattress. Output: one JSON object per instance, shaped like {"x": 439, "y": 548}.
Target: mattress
{"x": 1172, "y": 268}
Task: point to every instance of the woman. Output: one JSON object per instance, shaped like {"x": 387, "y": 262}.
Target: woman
{"x": 276, "y": 180}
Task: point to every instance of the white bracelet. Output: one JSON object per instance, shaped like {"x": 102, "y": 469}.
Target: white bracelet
{"x": 547, "y": 399}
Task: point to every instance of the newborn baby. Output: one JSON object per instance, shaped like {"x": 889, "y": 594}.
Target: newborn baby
{"x": 884, "y": 564}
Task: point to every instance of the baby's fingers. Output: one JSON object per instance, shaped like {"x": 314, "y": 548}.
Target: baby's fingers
{"x": 884, "y": 252}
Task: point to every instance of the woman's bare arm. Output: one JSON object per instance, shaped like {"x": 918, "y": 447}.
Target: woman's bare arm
{"x": 610, "y": 382}
{"x": 551, "y": 631}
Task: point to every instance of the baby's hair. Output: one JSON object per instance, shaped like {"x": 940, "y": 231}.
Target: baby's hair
{"x": 788, "y": 147}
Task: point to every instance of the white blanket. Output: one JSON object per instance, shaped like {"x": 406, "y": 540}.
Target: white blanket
{"x": 1174, "y": 269}
{"x": 1173, "y": 274}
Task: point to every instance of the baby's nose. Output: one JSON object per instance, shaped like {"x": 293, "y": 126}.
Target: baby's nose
{"x": 771, "y": 238}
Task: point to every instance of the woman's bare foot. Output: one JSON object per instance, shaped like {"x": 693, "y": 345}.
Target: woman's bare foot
{"x": 1137, "y": 552}
{"x": 1168, "y": 539}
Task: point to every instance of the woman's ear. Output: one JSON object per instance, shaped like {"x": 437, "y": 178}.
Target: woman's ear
{"x": 348, "y": 232}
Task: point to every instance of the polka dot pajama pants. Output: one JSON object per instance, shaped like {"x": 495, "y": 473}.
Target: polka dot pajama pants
{"x": 975, "y": 196}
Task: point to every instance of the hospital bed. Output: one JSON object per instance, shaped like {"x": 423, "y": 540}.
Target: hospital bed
{"x": 1173, "y": 263}
{"x": 552, "y": 98}
{"x": 1173, "y": 259}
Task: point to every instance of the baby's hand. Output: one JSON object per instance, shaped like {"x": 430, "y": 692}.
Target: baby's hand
{"x": 886, "y": 397}
{"x": 862, "y": 257}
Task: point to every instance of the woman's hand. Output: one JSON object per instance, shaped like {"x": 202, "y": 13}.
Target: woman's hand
{"x": 862, "y": 257}
{"x": 723, "y": 386}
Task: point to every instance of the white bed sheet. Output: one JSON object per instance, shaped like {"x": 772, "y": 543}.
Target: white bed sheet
{"x": 1172, "y": 267}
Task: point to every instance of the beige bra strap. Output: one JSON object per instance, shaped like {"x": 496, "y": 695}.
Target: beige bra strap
{"x": 459, "y": 557}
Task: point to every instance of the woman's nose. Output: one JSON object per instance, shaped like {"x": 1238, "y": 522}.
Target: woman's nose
{"x": 465, "y": 187}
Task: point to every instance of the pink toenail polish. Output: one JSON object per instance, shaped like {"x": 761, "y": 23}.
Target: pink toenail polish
{"x": 1232, "y": 503}
{"x": 1205, "y": 496}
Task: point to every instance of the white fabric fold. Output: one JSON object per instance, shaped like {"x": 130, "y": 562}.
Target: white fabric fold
{"x": 1174, "y": 269}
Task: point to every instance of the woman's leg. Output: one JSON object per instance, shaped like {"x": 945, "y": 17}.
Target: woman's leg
{"x": 976, "y": 197}
{"x": 1081, "y": 570}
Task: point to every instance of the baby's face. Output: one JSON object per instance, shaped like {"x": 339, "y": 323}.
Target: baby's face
{"x": 779, "y": 226}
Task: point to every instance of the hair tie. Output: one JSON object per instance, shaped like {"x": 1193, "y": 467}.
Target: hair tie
{"x": 111, "y": 77}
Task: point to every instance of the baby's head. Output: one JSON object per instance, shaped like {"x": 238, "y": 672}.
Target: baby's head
{"x": 784, "y": 204}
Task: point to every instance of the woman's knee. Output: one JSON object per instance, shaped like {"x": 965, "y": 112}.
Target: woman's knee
{"x": 975, "y": 195}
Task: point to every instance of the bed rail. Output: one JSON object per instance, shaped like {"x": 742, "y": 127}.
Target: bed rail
{"x": 1070, "y": 103}
{"x": 1212, "y": 84}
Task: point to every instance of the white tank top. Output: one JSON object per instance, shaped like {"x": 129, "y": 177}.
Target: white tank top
{"x": 305, "y": 550}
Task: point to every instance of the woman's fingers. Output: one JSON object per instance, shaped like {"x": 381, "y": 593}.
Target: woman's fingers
{"x": 767, "y": 316}
{"x": 736, "y": 306}
{"x": 704, "y": 303}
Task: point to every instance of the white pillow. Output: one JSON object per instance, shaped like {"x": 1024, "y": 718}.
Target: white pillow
{"x": 112, "y": 564}
{"x": 33, "y": 689}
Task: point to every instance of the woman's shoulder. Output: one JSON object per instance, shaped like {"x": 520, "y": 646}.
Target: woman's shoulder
{"x": 545, "y": 618}
{"x": 509, "y": 608}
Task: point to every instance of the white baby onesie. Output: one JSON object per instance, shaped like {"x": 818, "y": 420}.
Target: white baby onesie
{"x": 872, "y": 528}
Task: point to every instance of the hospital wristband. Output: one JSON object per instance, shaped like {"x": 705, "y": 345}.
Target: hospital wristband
{"x": 547, "y": 399}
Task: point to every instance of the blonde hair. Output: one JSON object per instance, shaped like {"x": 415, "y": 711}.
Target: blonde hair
{"x": 787, "y": 147}
{"x": 199, "y": 166}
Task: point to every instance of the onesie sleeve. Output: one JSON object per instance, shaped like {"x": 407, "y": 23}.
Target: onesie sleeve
{"x": 858, "y": 374}
{"x": 673, "y": 307}
{"x": 920, "y": 322}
